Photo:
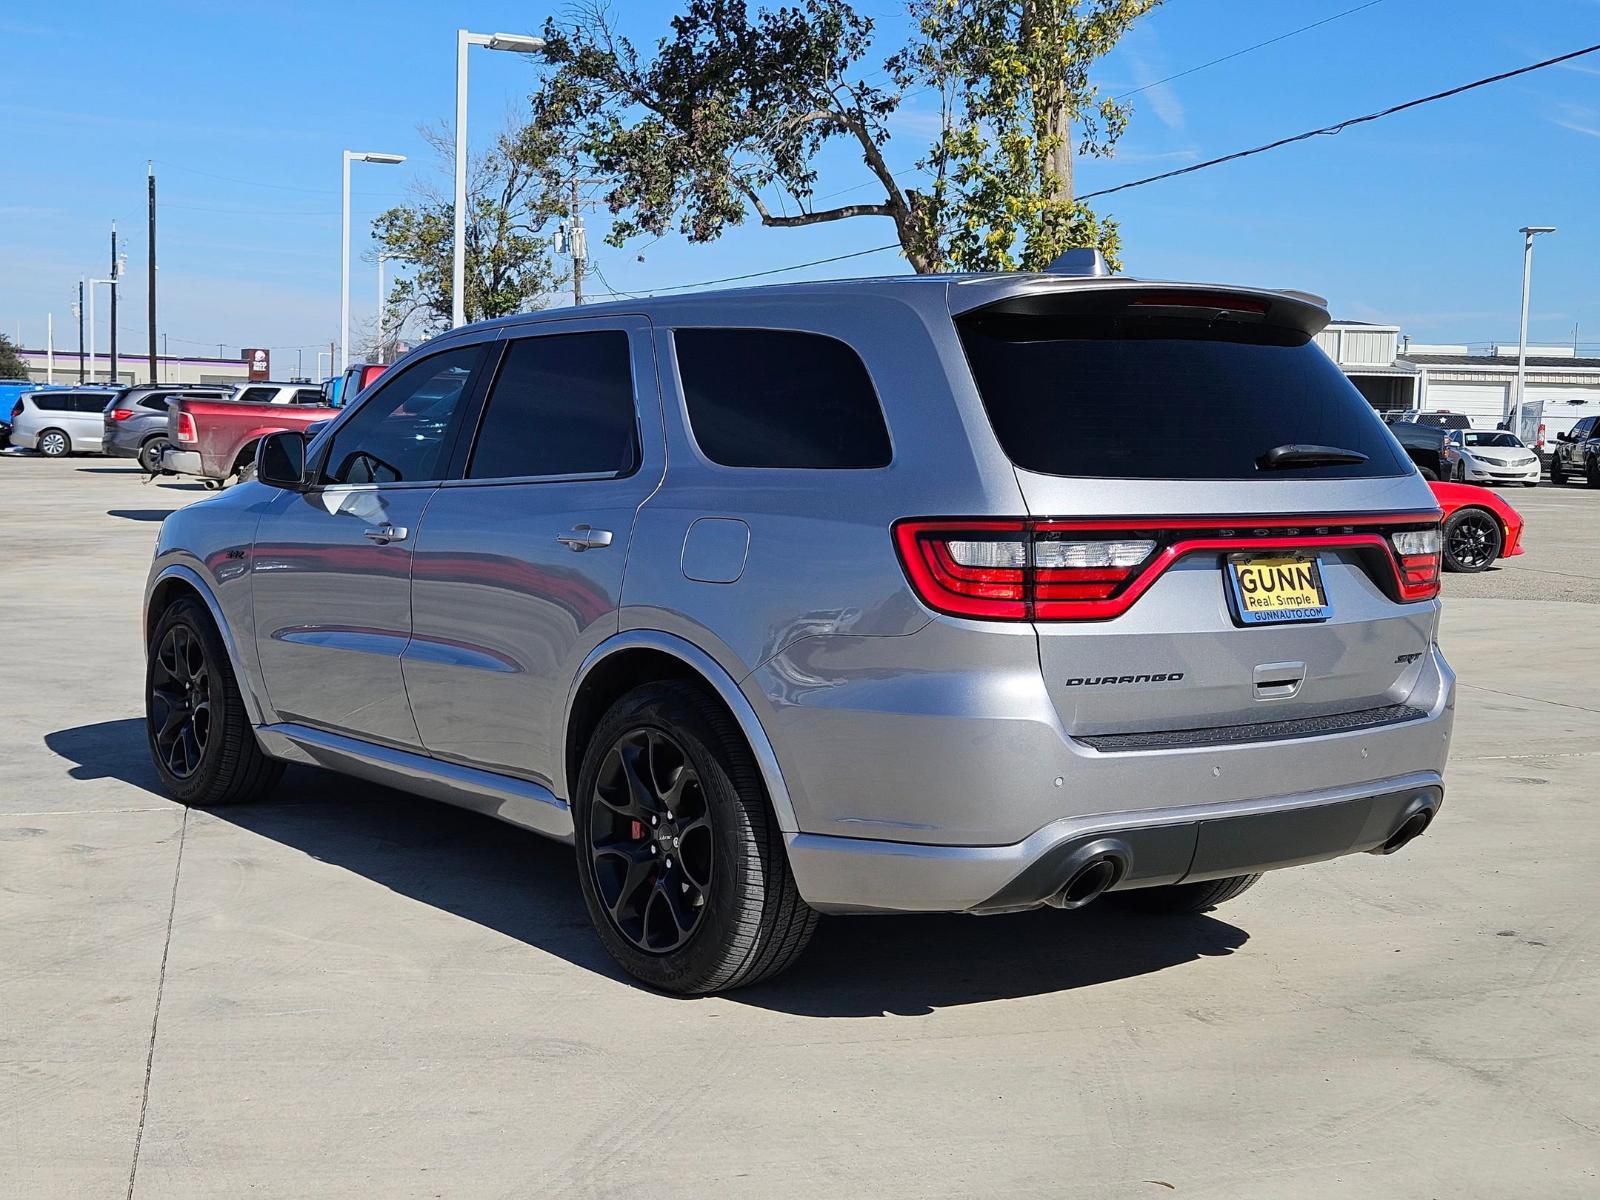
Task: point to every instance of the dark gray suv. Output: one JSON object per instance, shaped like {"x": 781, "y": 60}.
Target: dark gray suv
{"x": 858, "y": 596}
{"x": 136, "y": 420}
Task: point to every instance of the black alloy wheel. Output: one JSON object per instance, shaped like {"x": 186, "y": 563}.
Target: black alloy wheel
{"x": 150, "y": 455}
{"x": 1471, "y": 540}
{"x": 181, "y": 701}
{"x": 650, "y": 841}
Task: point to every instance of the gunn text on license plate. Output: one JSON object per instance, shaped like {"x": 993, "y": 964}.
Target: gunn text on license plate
{"x": 1268, "y": 588}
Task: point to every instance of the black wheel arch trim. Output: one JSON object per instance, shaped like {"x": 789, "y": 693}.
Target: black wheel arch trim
{"x": 256, "y": 710}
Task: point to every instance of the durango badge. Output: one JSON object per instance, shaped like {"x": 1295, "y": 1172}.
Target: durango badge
{"x": 1169, "y": 677}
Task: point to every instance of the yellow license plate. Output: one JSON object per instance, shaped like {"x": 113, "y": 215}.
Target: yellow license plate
{"x": 1270, "y": 588}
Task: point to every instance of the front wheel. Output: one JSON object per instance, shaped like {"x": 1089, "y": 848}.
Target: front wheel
{"x": 1472, "y": 540}
{"x": 1427, "y": 473}
{"x": 200, "y": 736}
{"x": 1558, "y": 474}
{"x": 54, "y": 444}
{"x": 1592, "y": 472}
{"x": 682, "y": 865}
{"x": 1183, "y": 897}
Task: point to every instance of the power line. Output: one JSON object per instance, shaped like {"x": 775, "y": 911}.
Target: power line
{"x": 1330, "y": 130}
{"x": 1248, "y": 49}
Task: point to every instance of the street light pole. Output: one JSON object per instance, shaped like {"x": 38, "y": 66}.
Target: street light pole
{"x": 111, "y": 283}
{"x": 517, "y": 43}
{"x": 344, "y": 247}
{"x": 1514, "y": 405}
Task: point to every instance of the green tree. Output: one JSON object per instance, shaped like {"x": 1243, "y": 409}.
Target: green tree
{"x": 11, "y": 364}
{"x": 730, "y": 116}
{"x": 513, "y": 192}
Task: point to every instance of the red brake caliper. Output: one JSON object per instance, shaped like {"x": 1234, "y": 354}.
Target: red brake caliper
{"x": 636, "y": 831}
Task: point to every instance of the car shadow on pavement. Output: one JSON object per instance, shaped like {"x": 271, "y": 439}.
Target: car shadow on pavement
{"x": 141, "y": 514}
{"x": 526, "y": 887}
{"x": 108, "y": 750}
{"x": 129, "y": 470}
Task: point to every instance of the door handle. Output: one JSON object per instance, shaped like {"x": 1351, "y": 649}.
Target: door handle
{"x": 585, "y": 537}
{"x": 384, "y": 534}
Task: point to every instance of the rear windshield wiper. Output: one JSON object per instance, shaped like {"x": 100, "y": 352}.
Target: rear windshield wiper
{"x": 1297, "y": 455}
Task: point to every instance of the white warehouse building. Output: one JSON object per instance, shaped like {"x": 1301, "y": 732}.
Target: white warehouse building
{"x": 1394, "y": 373}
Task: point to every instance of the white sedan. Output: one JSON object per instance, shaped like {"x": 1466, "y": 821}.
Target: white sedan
{"x": 1494, "y": 456}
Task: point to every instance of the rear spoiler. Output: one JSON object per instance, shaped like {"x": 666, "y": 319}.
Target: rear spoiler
{"x": 1053, "y": 295}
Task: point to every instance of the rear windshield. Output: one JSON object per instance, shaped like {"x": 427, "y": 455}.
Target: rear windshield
{"x": 1154, "y": 397}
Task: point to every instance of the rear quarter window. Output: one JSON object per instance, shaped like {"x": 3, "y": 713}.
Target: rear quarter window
{"x": 1157, "y": 397}
{"x": 780, "y": 399}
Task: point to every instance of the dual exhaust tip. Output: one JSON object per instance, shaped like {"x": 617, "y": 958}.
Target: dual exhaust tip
{"x": 1100, "y": 866}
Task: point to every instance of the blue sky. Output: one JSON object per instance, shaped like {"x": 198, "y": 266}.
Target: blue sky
{"x": 245, "y": 109}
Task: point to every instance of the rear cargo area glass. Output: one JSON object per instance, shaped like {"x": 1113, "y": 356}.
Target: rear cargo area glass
{"x": 1157, "y": 397}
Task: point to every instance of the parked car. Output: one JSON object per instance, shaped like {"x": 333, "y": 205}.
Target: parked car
{"x": 1577, "y": 452}
{"x": 135, "y": 420}
{"x": 908, "y": 623}
{"x": 216, "y": 439}
{"x": 1436, "y": 453}
{"x": 1438, "y": 418}
{"x": 1495, "y": 456}
{"x": 60, "y": 422}
{"x": 352, "y": 383}
{"x": 1479, "y": 527}
{"x": 278, "y": 393}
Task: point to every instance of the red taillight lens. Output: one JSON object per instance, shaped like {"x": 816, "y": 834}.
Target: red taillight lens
{"x": 186, "y": 431}
{"x": 1013, "y": 570}
{"x": 121, "y": 414}
{"x": 16, "y": 410}
{"x": 1417, "y": 553}
{"x": 967, "y": 568}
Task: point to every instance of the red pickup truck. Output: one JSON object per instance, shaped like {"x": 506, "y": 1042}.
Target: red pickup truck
{"x": 216, "y": 439}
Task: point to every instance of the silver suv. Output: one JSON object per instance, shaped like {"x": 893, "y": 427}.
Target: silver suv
{"x": 864, "y": 596}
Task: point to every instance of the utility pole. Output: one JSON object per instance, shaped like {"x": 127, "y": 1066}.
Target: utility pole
{"x": 579, "y": 242}
{"x": 1513, "y": 410}
{"x": 150, "y": 171}
{"x": 111, "y": 376}
{"x": 77, "y": 311}
{"x": 50, "y": 348}
{"x": 300, "y": 363}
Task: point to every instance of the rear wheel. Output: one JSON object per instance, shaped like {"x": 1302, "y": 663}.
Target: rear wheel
{"x": 1558, "y": 474}
{"x": 54, "y": 444}
{"x": 1472, "y": 540}
{"x": 1183, "y": 897}
{"x": 682, "y": 866}
{"x": 1592, "y": 471}
{"x": 1427, "y": 473}
{"x": 150, "y": 454}
{"x": 200, "y": 736}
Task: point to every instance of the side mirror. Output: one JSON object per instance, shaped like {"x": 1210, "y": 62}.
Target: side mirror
{"x": 281, "y": 460}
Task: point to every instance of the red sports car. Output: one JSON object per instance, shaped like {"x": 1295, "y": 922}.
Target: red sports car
{"x": 1479, "y": 526}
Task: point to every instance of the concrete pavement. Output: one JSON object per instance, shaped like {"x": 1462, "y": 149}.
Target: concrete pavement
{"x": 355, "y": 993}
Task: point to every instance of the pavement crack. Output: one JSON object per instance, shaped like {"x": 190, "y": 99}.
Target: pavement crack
{"x": 155, "y": 1019}
{"x": 1531, "y": 699}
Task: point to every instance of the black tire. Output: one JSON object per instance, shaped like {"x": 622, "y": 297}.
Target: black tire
{"x": 747, "y": 922}
{"x": 1183, "y": 897}
{"x": 150, "y": 454}
{"x": 203, "y": 760}
{"x": 54, "y": 443}
{"x": 1591, "y": 473}
{"x": 1472, "y": 540}
{"x": 1558, "y": 474}
{"x": 1427, "y": 473}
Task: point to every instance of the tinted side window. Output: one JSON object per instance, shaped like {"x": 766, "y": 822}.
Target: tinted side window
{"x": 777, "y": 398}
{"x": 156, "y": 400}
{"x": 400, "y": 434}
{"x": 52, "y": 401}
{"x": 308, "y": 396}
{"x": 258, "y": 395}
{"x": 562, "y": 405}
{"x": 89, "y": 404}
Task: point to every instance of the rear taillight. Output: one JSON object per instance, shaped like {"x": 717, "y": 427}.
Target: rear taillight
{"x": 1417, "y": 553}
{"x": 1094, "y": 570}
{"x": 121, "y": 414}
{"x": 186, "y": 431}
{"x": 16, "y": 410}
{"x": 1014, "y": 570}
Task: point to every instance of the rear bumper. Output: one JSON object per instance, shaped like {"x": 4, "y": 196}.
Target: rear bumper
{"x": 1173, "y": 845}
{"x": 181, "y": 462}
{"x": 118, "y": 450}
